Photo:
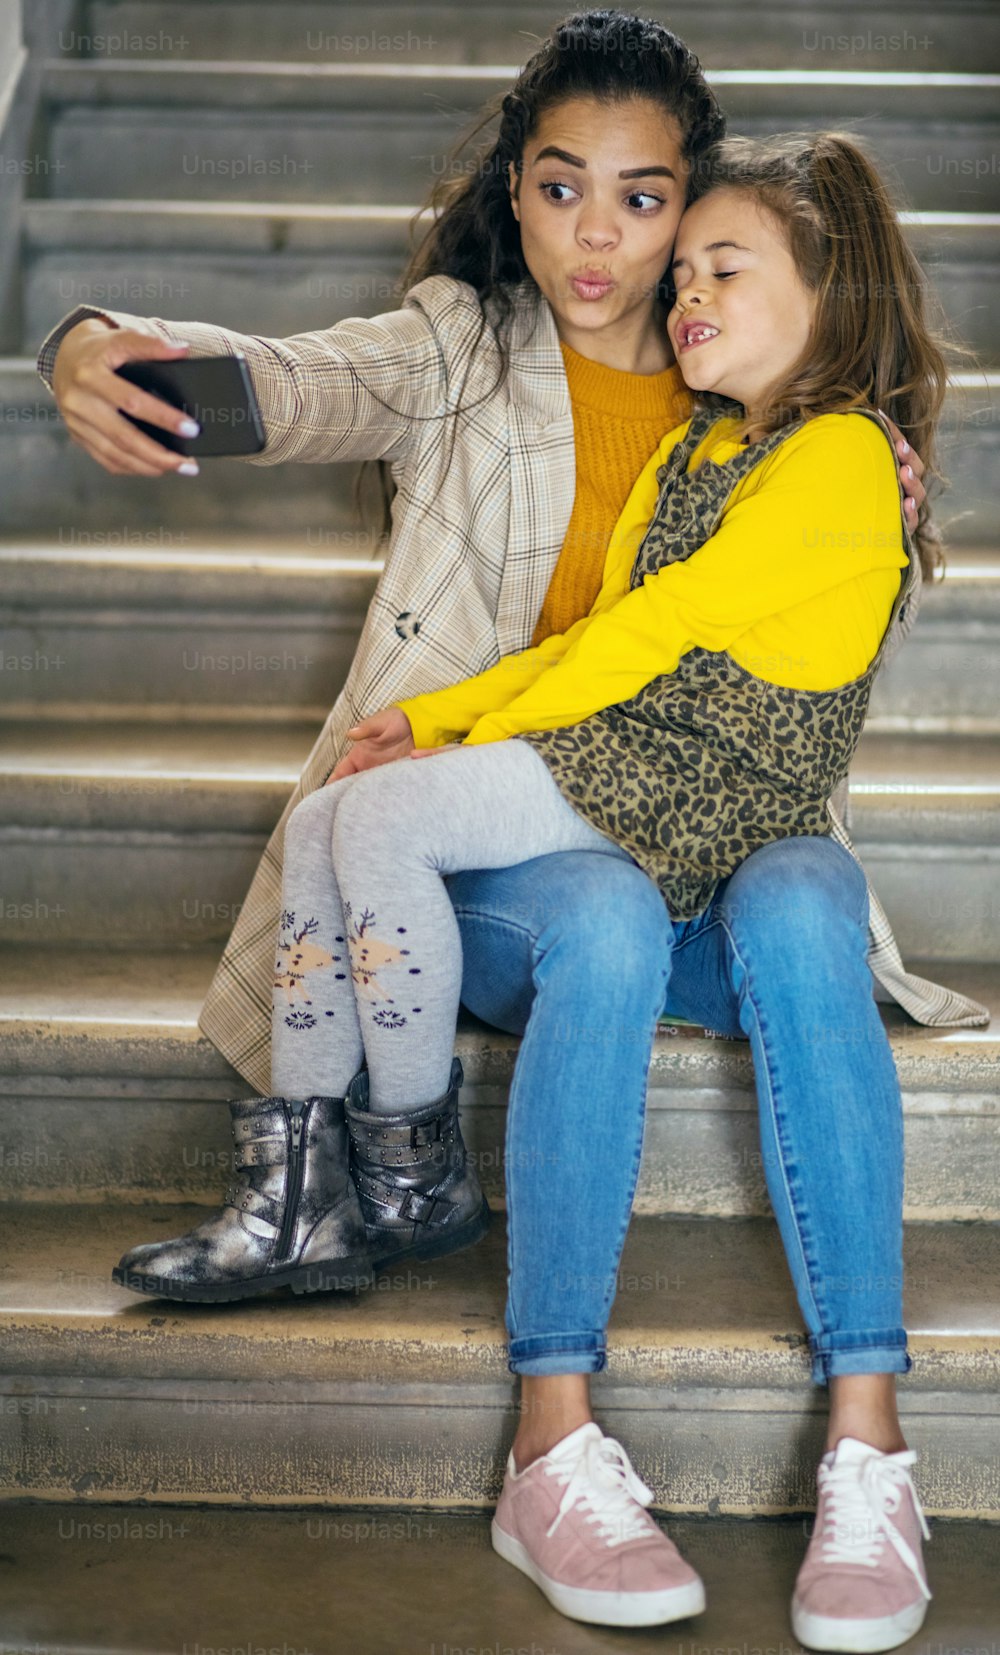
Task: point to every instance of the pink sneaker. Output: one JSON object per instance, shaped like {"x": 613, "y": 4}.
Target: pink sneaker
{"x": 862, "y": 1585}
{"x": 573, "y": 1521}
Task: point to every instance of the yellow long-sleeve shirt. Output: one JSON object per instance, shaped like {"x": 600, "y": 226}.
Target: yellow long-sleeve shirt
{"x": 797, "y": 584}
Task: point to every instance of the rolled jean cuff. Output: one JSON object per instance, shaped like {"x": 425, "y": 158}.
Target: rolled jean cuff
{"x": 542, "y": 1353}
{"x": 878, "y": 1352}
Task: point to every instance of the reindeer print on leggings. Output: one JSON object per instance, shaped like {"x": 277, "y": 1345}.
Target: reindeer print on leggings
{"x": 370, "y": 955}
{"x": 296, "y": 959}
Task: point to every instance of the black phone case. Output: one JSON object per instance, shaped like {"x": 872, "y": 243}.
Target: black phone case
{"x": 214, "y": 390}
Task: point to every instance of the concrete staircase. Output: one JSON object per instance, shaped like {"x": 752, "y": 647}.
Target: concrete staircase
{"x": 170, "y": 651}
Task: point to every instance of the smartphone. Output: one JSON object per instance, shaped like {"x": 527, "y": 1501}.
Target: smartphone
{"x": 214, "y": 390}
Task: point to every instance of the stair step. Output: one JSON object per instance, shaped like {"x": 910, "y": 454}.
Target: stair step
{"x": 127, "y": 831}
{"x": 178, "y": 83}
{"x": 327, "y": 228}
{"x": 221, "y": 627}
{"x": 230, "y": 625}
{"x": 108, "y": 1091}
{"x": 775, "y": 34}
{"x": 281, "y": 269}
{"x": 371, "y": 132}
{"x": 928, "y": 787}
{"x": 928, "y": 685}
{"x": 132, "y": 1399}
{"x": 315, "y": 502}
{"x": 166, "y": 829}
{"x": 372, "y": 1582}
{"x": 132, "y": 775}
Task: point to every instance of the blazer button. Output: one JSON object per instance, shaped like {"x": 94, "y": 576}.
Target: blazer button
{"x": 407, "y": 625}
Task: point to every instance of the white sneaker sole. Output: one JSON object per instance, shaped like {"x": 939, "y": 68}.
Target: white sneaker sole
{"x": 857, "y": 1637}
{"x": 604, "y": 1608}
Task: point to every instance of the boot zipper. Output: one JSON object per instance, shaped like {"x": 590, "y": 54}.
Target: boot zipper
{"x": 293, "y": 1181}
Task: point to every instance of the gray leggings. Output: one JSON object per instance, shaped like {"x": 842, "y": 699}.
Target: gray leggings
{"x": 369, "y": 956}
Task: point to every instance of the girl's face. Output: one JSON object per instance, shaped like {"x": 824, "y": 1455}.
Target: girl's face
{"x": 743, "y": 315}
{"x": 600, "y": 196}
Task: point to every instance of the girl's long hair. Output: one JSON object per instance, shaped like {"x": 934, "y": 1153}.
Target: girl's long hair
{"x": 873, "y": 343}
{"x": 608, "y": 55}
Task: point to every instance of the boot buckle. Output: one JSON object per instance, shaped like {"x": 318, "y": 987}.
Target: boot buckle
{"x": 425, "y": 1132}
{"x": 418, "y": 1208}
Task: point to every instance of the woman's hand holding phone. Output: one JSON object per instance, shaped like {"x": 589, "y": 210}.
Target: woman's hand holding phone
{"x": 90, "y": 394}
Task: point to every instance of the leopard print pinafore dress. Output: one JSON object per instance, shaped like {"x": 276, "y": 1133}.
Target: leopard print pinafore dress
{"x": 707, "y": 763}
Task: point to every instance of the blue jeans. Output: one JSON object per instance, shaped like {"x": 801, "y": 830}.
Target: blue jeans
{"x": 576, "y": 953}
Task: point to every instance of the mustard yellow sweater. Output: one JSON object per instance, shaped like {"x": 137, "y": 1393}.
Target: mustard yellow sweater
{"x": 797, "y": 584}
{"x": 618, "y": 419}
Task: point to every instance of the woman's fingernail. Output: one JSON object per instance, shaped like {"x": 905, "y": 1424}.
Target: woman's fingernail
{"x": 908, "y": 471}
{"x": 189, "y": 428}
{"x": 909, "y": 502}
{"x": 188, "y": 469}
{"x": 905, "y": 449}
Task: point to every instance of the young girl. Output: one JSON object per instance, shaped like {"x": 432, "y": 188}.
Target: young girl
{"x": 707, "y": 707}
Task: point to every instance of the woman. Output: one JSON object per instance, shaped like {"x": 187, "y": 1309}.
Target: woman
{"x": 565, "y": 259}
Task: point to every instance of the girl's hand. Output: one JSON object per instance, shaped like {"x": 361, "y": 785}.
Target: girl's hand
{"x": 378, "y": 739}
{"x": 911, "y": 469}
{"x": 90, "y": 397}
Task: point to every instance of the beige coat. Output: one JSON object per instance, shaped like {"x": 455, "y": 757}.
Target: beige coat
{"x": 470, "y": 557}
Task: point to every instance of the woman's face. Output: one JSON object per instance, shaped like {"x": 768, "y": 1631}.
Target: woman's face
{"x": 743, "y": 315}
{"x": 600, "y": 196}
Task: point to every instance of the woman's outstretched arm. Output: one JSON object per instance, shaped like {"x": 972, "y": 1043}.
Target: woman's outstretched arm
{"x": 348, "y": 392}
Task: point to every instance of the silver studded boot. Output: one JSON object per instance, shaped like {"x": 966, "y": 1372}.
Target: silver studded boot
{"x": 420, "y": 1193}
{"x": 291, "y": 1216}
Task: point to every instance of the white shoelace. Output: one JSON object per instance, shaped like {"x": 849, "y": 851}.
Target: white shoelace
{"x": 603, "y": 1482}
{"x": 860, "y": 1499}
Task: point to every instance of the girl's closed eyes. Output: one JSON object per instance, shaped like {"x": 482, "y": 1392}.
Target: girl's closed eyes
{"x": 762, "y": 323}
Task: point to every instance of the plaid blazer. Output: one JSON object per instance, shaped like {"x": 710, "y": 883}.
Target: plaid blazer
{"x": 475, "y": 539}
